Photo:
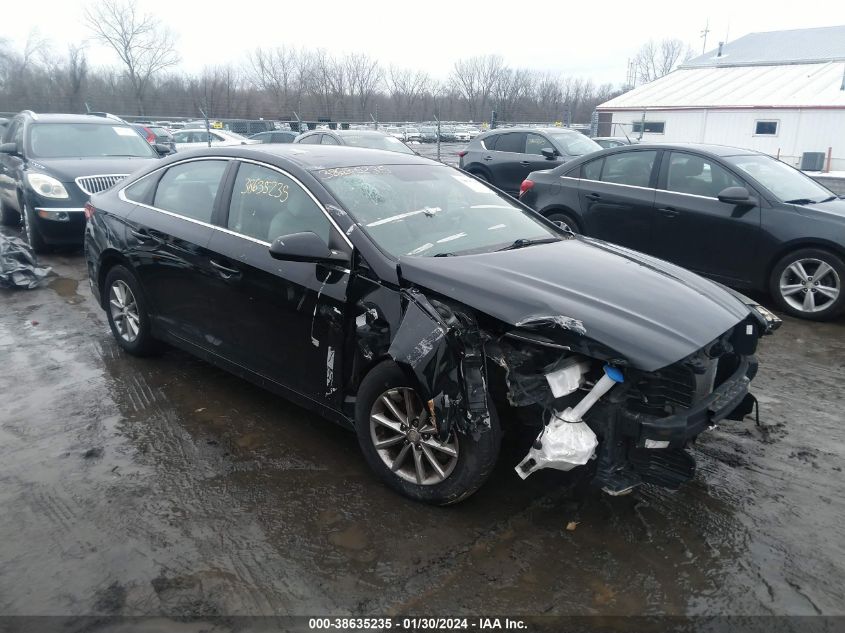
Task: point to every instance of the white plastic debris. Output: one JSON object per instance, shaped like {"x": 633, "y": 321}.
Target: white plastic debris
{"x": 563, "y": 446}
{"x": 568, "y": 377}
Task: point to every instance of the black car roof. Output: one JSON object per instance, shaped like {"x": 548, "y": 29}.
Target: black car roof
{"x": 715, "y": 150}
{"x": 313, "y": 157}
{"x": 529, "y": 129}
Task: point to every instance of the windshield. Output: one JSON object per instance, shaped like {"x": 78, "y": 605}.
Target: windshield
{"x": 787, "y": 183}
{"x": 575, "y": 144}
{"x": 377, "y": 141}
{"x": 86, "y": 140}
{"x": 429, "y": 209}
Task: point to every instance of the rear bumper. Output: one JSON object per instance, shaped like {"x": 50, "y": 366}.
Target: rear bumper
{"x": 679, "y": 428}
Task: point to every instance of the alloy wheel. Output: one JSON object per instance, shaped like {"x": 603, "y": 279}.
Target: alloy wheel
{"x": 405, "y": 438}
{"x": 810, "y": 285}
{"x": 124, "y": 311}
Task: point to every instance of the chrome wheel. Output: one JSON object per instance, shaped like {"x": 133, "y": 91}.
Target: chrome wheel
{"x": 124, "y": 311}
{"x": 563, "y": 225}
{"x": 810, "y": 285}
{"x": 405, "y": 438}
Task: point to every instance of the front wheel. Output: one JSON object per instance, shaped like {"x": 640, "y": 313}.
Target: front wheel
{"x": 33, "y": 235}
{"x": 808, "y": 284}
{"x": 399, "y": 442}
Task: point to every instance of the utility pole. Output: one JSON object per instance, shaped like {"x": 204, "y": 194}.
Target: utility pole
{"x": 207, "y": 127}
{"x": 704, "y": 36}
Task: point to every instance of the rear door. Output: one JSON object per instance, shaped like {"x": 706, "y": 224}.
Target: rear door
{"x": 693, "y": 228}
{"x": 616, "y": 193}
{"x": 283, "y": 320}
{"x": 167, "y": 242}
{"x": 505, "y": 161}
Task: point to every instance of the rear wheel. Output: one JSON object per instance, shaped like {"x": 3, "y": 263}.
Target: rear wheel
{"x": 399, "y": 442}
{"x": 808, "y": 284}
{"x": 8, "y": 217}
{"x": 127, "y": 312}
{"x": 564, "y": 221}
{"x": 480, "y": 176}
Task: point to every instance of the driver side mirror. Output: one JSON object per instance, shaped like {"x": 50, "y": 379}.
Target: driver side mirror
{"x": 9, "y": 148}
{"x": 163, "y": 150}
{"x": 549, "y": 153}
{"x": 305, "y": 247}
{"x": 737, "y": 196}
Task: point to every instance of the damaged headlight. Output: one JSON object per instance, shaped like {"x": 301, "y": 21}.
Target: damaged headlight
{"x": 773, "y": 321}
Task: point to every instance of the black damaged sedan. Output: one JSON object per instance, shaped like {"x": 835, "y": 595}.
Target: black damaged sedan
{"x": 411, "y": 302}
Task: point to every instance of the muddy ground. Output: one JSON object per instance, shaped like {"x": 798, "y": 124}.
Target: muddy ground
{"x": 166, "y": 486}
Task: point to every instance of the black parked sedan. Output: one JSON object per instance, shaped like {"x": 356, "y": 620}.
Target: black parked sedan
{"x": 407, "y": 300}
{"x": 738, "y": 216}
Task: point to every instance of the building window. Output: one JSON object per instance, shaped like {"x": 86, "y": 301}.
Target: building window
{"x": 766, "y": 128}
{"x": 649, "y": 127}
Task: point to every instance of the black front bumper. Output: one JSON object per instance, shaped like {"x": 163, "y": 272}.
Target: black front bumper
{"x": 677, "y": 429}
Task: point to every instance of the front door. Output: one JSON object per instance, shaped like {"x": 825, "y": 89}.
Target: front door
{"x": 694, "y": 229}
{"x": 283, "y": 320}
{"x": 617, "y": 198}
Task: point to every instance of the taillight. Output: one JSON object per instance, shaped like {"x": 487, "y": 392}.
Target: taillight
{"x": 526, "y": 185}
{"x": 89, "y": 210}
{"x": 462, "y": 153}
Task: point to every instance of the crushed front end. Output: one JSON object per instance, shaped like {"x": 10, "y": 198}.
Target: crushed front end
{"x": 642, "y": 421}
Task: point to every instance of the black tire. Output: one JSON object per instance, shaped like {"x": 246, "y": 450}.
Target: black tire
{"x": 475, "y": 459}
{"x": 143, "y": 344}
{"x": 785, "y": 277}
{"x": 31, "y": 232}
{"x": 481, "y": 176}
{"x": 8, "y": 217}
{"x": 564, "y": 220}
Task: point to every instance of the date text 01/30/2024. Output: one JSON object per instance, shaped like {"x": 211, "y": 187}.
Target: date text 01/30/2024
{"x": 417, "y": 624}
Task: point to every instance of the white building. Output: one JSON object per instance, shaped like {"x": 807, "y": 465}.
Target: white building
{"x": 782, "y": 93}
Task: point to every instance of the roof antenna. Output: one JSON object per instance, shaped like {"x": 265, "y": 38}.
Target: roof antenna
{"x": 704, "y": 36}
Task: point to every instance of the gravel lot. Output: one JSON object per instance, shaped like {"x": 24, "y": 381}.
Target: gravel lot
{"x": 165, "y": 486}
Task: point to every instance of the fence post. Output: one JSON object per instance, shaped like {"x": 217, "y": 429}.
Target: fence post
{"x": 437, "y": 118}
{"x": 829, "y": 159}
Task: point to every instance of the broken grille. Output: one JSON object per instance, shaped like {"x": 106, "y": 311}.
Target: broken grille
{"x": 96, "y": 184}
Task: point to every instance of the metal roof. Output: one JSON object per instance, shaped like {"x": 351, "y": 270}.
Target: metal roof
{"x": 773, "y": 86}
{"x": 823, "y": 44}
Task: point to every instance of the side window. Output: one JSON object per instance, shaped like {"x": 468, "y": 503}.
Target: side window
{"x": 140, "y": 191}
{"x": 314, "y": 139}
{"x": 535, "y": 143}
{"x": 629, "y": 168}
{"x": 266, "y": 204}
{"x": 696, "y": 175}
{"x": 511, "y": 142}
{"x": 592, "y": 170}
{"x": 329, "y": 140}
{"x": 189, "y": 189}
{"x": 490, "y": 141}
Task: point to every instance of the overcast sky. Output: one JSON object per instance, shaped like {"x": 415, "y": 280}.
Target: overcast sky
{"x": 589, "y": 39}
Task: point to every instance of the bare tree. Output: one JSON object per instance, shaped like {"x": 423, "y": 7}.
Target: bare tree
{"x": 276, "y": 71}
{"x": 475, "y": 78}
{"x": 406, "y": 87}
{"x": 364, "y": 76}
{"x": 656, "y": 59}
{"x": 143, "y": 45}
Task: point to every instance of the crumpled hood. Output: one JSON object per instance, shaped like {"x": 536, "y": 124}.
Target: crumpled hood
{"x": 649, "y": 311}
{"x": 67, "y": 169}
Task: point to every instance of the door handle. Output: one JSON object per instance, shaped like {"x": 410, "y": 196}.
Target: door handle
{"x": 524, "y": 163}
{"x": 593, "y": 196}
{"x": 668, "y": 212}
{"x": 144, "y": 236}
{"x": 488, "y": 158}
{"x": 225, "y": 271}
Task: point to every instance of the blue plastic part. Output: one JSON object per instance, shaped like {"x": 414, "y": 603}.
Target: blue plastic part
{"x": 614, "y": 373}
